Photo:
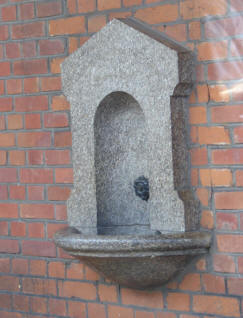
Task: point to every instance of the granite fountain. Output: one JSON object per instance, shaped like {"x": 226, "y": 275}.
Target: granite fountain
{"x": 132, "y": 214}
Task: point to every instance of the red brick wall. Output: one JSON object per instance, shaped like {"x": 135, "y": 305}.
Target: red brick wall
{"x": 38, "y": 280}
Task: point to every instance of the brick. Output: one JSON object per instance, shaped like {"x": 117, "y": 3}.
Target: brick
{"x": 155, "y": 15}
{"x": 32, "y": 121}
{"x": 230, "y": 243}
{"x": 31, "y": 85}
{"x": 48, "y": 9}
{"x": 29, "y": 49}
{"x": 236, "y": 5}
{"x": 95, "y": 23}
{"x": 8, "y": 175}
{"x": 223, "y": 263}
{"x": 227, "y": 156}
{"x": 64, "y": 175}
{"x": 225, "y": 71}
{"x": 36, "y": 175}
{"x": 207, "y": 219}
{"x": 27, "y": 11}
{"x": 238, "y": 135}
{"x": 227, "y": 114}
{"x": 57, "y": 307}
{"x": 30, "y": 67}
{"x": 178, "y": 301}
{"x": 77, "y": 289}
{"x": 62, "y": 139}
{"x": 55, "y": 65}
{"x": 8, "y": 13}
{"x": 53, "y": 120}
{"x": 177, "y": 31}
{"x": 5, "y": 104}
{"x": 38, "y": 286}
{"x": 142, "y": 298}
{"x": 9, "y": 283}
{"x": 36, "y": 230}
{"x": 21, "y": 302}
{"x": 227, "y": 221}
{"x": 4, "y": 33}
{"x": 20, "y": 266}
{"x": 201, "y": 265}
{"x": 219, "y": 93}
{"x": 107, "y": 293}
{"x": 4, "y": 231}
{"x": 198, "y": 115}
{"x": 191, "y": 282}
{"x": 56, "y": 269}
{"x": 73, "y": 44}
{"x": 199, "y": 156}
{"x": 3, "y": 157}
{"x": 202, "y": 93}
{"x": 5, "y": 301}
{"x": 228, "y": 200}
{"x": 36, "y": 193}
{"x": 4, "y": 69}
{"x": 213, "y": 135}
{"x": 61, "y": 212}
{"x": 39, "y": 305}
{"x": 57, "y": 157}
{"x": 3, "y": 192}
{"x": 212, "y": 50}
{"x": 239, "y": 178}
{"x": 107, "y": 5}
{"x": 195, "y": 30}
{"x": 17, "y": 192}
{"x": 236, "y": 92}
{"x": 119, "y": 15}
{"x": 236, "y": 47}
{"x": 119, "y": 312}
{"x": 38, "y": 267}
{"x": 51, "y": 47}
{"x": 4, "y": 265}
{"x": 5, "y": 314}
{"x": 58, "y": 193}
{"x": 36, "y": 248}
{"x": 14, "y": 86}
{"x": 240, "y": 264}
{"x": 235, "y": 286}
{"x": 225, "y": 27}
{"x": 75, "y": 271}
{"x": 225, "y": 306}
{"x": 2, "y": 90}
{"x": 86, "y": 6}
{"x": 28, "y": 30}
{"x": 31, "y": 103}
{"x": 213, "y": 284}
{"x": 194, "y": 177}
{"x": 67, "y": 26}
{"x": 191, "y": 9}
{"x": 34, "y": 139}
{"x": 10, "y": 247}
{"x": 76, "y": 309}
{"x": 129, "y": 3}
{"x": 216, "y": 177}
{"x": 35, "y": 211}
{"x": 95, "y": 310}
{"x": 51, "y": 84}
{"x": 12, "y": 50}
{"x": 166, "y": 315}
{"x": 144, "y": 314}
{"x": 35, "y": 157}
{"x": 203, "y": 195}
{"x": 90, "y": 274}
{"x": 15, "y": 121}
{"x": 59, "y": 103}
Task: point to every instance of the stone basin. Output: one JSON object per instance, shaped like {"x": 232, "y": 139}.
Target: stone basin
{"x": 137, "y": 261}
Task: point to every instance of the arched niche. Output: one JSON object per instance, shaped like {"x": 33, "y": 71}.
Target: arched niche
{"x": 120, "y": 159}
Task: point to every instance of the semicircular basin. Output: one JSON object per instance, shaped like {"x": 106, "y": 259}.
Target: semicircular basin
{"x": 136, "y": 261}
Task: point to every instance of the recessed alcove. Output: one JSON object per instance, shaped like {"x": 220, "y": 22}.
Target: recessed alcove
{"x": 120, "y": 158}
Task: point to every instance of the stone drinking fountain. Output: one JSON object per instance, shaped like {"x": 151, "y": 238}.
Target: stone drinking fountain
{"x": 132, "y": 213}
